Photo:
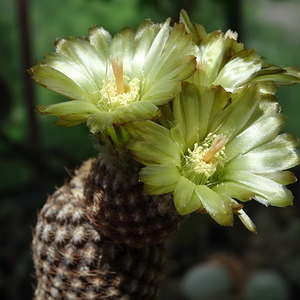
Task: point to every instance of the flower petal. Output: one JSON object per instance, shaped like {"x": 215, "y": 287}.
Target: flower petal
{"x": 210, "y": 54}
{"x": 156, "y": 139}
{"x": 69, "y": 123}
{"x": 185, "y": 199}
{"x": 101, "y": 120}
{"x": 241, "y": 68}
{"x": 266, "y": 191}
{"x": 175, "y": 62}
{"x": 282, "y": 177}
{"x": 217, "y": 205}
{"x": 159, "y": 179}
{"x": 244, "y": 193}
{"x": 161, "y": 92}
{"x": 236, "y": 115}
{"x": 58, "y": 82}
{"x": 122, "y": 46}
{"x": 168, "y": 61}
{"x": 278, "y": 154}
{"x": 263, "y": 130}
{"x": 136, "y": 111}
{"x": 196, "y": 108}
{"x": 247, "y": 221}
{"x": 234, "y": 189}
{"x": 167, "y": 52}
{"x": 157, "y": 46}
{"x": 187, "y": 113}
{"x": 82, "y": 56}
{"x": 278, "y": 75}
{"x": 145, "y": 35}
{"x": 100, "y": 39}
{"x": 197, "y": 30}
{"x": 68, "y": 110}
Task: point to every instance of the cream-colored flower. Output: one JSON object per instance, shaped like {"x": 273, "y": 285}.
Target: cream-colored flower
{"x": 113, "y": 80}
{"x": 221, "y": 60}
{"x": 221, "y": 148}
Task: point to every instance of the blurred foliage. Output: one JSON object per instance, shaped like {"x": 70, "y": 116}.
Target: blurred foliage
{"x": 29, "y": 173}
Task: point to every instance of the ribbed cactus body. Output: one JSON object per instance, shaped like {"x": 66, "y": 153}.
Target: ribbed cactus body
{"x": 101, "y": 237}
{"x": 120, "y": 209}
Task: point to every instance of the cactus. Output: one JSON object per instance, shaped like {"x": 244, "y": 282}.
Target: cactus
{"x": 76, "y": 259}
{"x": 177, "y": 129}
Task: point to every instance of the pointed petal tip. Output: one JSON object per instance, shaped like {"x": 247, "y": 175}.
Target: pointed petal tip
{"x": 42, "y": 110}
{"x": 247, "y": 221}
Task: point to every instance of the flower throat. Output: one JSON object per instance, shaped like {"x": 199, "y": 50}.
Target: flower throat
{"x": 121, "y": 90}
{"x": 202, "y": 162}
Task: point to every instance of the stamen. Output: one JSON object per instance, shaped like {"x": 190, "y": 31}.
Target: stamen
{"x": 201, "y": 66}
{"x": 119, "y": 90}
{"x": 203, "y": 161}
{"x": 217, "y": 144}
{"x": 117, "y": 66}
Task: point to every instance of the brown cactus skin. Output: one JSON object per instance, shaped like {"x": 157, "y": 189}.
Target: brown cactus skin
{"x": 120, "y": 209}
{"x": 101, "y": 237}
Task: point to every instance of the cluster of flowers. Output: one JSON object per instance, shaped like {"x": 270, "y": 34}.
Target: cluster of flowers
{"x": 196, "y": 109}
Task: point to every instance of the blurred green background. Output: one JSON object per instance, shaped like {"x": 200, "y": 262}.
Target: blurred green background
{"x": 34, "y": 153}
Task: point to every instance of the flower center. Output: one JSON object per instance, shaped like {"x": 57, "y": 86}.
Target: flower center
{"x": 119, "y": 91}
{"x": 201, "y": 66}
{"x": 203, "y": 161}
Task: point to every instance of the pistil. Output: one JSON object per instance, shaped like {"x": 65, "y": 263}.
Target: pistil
{"x": 217, "y": 144}
{"x": 202, "y": 162}
{"x": 117, "y": 66}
